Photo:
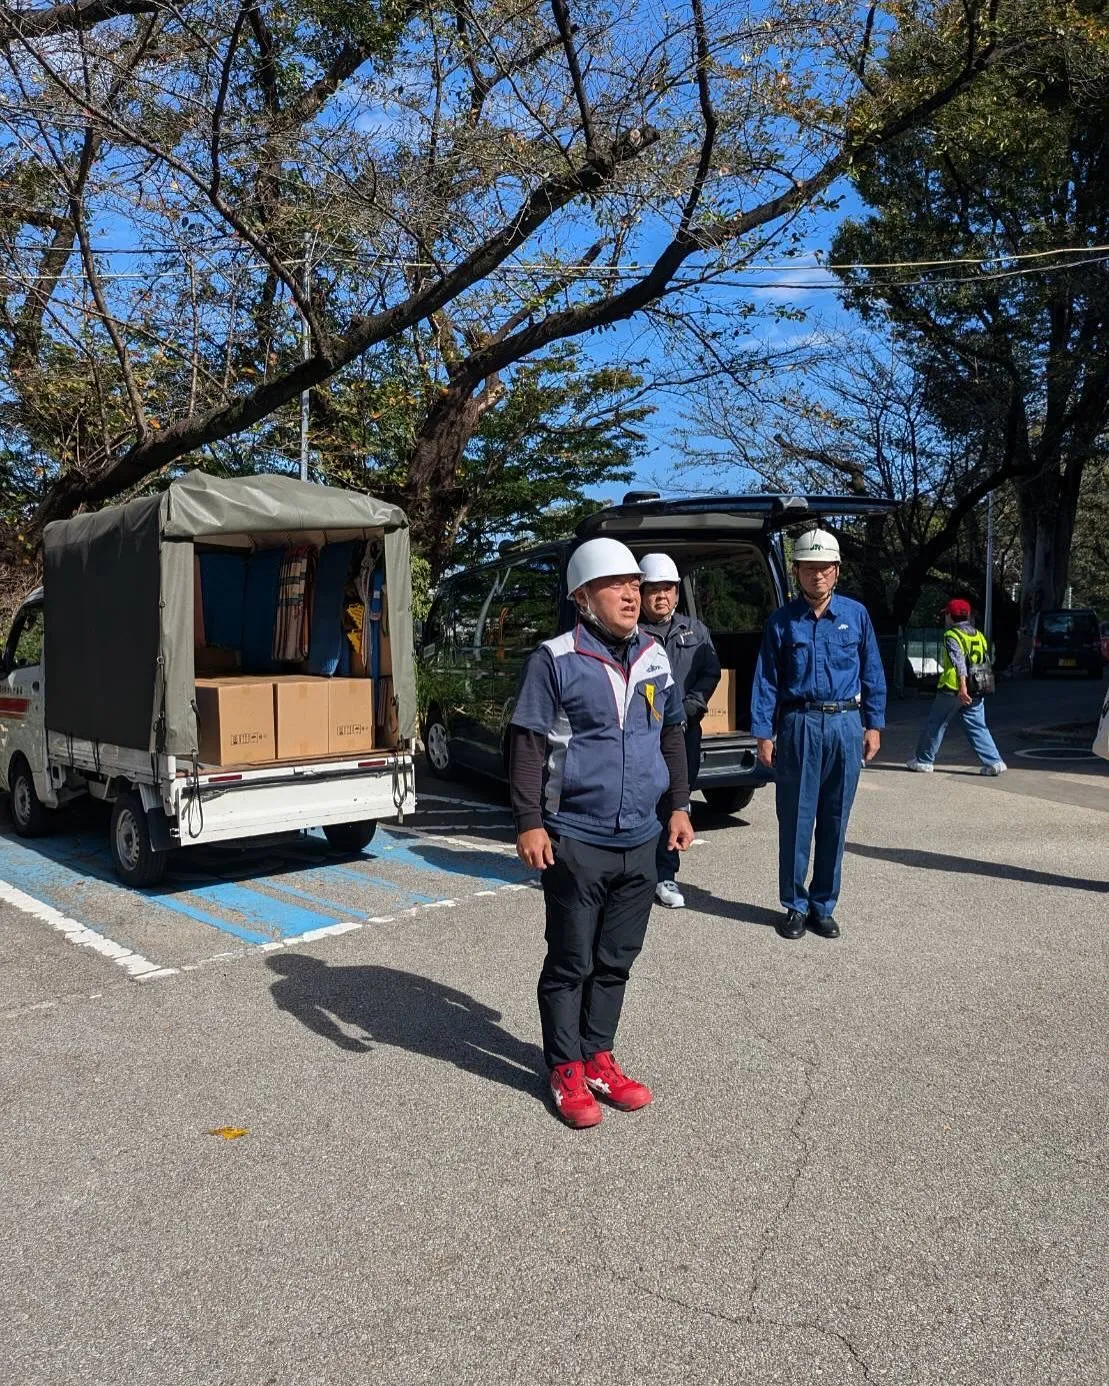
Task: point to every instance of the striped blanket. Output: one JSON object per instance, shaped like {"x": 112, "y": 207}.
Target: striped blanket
{"x": 291, "y": 632}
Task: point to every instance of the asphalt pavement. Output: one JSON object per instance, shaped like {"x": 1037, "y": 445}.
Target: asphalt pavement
{"x": 879, "y": 1158}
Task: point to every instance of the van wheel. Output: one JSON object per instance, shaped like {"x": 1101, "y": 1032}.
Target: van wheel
{"x": 729, "y": 800}
{"x": 437, "y": 744}
{"x": 350, "y": 837}
{"x": 135, "y": 860}
{"x": 29, "y": 817}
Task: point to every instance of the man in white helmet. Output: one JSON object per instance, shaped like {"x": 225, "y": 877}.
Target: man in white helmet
{"x": 595, "y": 742}
{"x": 816, "y": 728}
{"x": 696, "y": 666}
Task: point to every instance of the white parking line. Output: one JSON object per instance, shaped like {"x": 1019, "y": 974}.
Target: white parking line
{"x": 134, "y": 964}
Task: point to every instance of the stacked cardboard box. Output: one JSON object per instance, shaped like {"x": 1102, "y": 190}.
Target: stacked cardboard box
{"x": 721, "y": 714}
{"x": 236, "y": 721}
{"x": 350, "y": 723}
{"x": 251, "y": 719}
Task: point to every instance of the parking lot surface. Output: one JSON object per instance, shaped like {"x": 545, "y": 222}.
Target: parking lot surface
{"x": 874, "y": 1159}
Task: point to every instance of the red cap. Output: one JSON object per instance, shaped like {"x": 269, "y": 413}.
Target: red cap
{"x": 958, "y": 609}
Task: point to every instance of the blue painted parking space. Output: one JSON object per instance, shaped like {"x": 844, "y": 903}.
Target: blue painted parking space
{"x": 262, "y": 895}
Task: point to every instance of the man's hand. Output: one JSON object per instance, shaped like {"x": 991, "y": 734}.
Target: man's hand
{"x": 766, "y": 751}
{"x": 534, "y": 849}
{"x": 872, "y": 739}
{"x": 964, "y": 696}
{"x": 680, "y": 831}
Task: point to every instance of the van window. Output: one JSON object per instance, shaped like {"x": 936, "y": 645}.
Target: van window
{"x": 436, "y": 619}
{"x": 25, "y": 646}
{"x": 525, "y": 610}
{"x": 734, "y": 596}
{"x": 469, "y": 595}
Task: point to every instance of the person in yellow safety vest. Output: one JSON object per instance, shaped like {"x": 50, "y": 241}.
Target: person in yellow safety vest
{"x": 963, "y": 645}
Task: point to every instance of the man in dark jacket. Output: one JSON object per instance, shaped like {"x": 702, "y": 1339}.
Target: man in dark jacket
{"x": 696, "y": 668}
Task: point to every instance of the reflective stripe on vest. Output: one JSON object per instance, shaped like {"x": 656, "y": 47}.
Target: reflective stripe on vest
{"x": 974, "y": 649}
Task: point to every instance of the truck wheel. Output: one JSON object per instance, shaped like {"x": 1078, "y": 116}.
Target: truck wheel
{"x": 437, "y": 744}
{"x": 135, "y": 860}
{"x": 729, "y": 800}
{"x": 350, "y": 837}
{"x": 29, "y": 817}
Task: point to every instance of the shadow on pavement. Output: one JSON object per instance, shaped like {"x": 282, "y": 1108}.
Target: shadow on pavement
{"x": 387, "y": 1006}
{"x": 737, "y": 910}
{"x": 941, "y": 861}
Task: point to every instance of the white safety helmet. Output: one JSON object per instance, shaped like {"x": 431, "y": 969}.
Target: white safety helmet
{"x": 816, "y": 546}
{"x": 599, "y": 558}
{"x": 658, "y": 567}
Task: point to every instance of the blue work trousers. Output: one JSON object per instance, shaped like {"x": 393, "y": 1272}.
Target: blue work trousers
{"x": 943, "y": 712}
{"x": 817, "y": 761}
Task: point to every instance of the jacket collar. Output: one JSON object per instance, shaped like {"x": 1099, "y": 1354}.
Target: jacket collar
{"x": 585, "y": 642}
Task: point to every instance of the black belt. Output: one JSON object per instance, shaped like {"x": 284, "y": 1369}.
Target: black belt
{"x": 851, "y": 706}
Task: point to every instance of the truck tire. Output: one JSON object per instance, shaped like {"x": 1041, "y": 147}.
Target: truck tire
{"x": 728, "y": 800}
{"x": 351, "y": 837}
{"x": 29, "y": 816}
{"x": 135, "y": 860}
{"x": 437, "y": 744}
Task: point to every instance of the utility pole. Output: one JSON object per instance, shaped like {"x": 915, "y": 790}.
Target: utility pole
{"x": 305, "y": 353}
{"x": 987, "y": 615}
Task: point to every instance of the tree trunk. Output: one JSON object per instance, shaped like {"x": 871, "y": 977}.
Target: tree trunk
{"x": 1048, "y": 506}
{"x": 433, "y": 496}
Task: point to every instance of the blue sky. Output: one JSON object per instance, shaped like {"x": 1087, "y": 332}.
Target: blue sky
{"x": 782, "y": 288}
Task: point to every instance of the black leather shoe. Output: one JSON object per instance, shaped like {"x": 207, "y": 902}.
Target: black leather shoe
{"x": 792, "y": 926}
{"x": 824, "y": 925}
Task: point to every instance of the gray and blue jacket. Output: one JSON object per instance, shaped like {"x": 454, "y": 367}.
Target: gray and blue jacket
{"x": 602, "y": 715}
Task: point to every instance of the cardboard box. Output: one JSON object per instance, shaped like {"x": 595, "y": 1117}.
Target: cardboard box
{"x": 721, "y": 715}
{"x": 385, "y": 657}
{"x": 301, "y": 711}
{"x": 236, "y": 721}
{"x": 350, "y": 721}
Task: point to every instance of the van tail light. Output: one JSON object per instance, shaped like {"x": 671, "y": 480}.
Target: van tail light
{"x": 1038, "y": 643}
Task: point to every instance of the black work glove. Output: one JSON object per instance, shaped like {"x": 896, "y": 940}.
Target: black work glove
{"x": 695, "y": 708}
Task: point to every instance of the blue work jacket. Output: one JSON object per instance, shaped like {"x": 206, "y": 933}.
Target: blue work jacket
{"x": 804, "y": 659}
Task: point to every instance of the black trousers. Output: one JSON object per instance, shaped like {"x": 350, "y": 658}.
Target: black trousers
{"x": 598, "y": 902}
{"x": 668, "y": 859}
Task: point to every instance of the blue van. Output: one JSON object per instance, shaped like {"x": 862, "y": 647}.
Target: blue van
{"x": 486, "y": 620}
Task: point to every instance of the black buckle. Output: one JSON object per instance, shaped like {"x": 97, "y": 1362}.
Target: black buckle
{"x": 831, "y": 707}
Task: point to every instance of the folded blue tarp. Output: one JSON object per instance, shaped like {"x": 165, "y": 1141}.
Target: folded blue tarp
{"x": 260, "y": 611}
{"x": 325, "y": 654}
{"x": 223, "y": 594}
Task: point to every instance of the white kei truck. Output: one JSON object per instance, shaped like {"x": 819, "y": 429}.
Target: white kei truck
{"x": 97, "y": 676}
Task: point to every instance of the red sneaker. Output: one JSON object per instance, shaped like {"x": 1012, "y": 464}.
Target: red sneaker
{"x": 573, "y": 1100}
{"x": 605, "y": 1076}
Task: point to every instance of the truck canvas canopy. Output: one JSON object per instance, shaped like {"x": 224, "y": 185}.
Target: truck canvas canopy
{"x": 120, "y": 591}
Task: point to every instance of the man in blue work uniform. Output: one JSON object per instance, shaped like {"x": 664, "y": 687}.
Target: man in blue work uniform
{"x": 596, "y": 740}
{"x": 696, "y": 667}
{"x": 817, "y": 707}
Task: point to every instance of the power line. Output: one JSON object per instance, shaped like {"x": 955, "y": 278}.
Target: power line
{"x": 622, "y": 270}
{"x": 20, "y": 277}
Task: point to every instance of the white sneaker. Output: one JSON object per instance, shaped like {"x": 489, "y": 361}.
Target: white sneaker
{"x": 924, "y": 767}
{"x": 668, "y": 894}
{"x": 997, "y": 768}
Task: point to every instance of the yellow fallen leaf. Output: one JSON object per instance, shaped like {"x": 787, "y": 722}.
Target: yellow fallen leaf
{"x": 229, "y": 1133}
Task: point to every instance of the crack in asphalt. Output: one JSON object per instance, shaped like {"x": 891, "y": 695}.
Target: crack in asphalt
{"x": 745, "y": 1320}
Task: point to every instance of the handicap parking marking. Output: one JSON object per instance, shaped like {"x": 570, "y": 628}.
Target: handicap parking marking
{"x": 136, "y": 965}
{"x": 297, "y": 893}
